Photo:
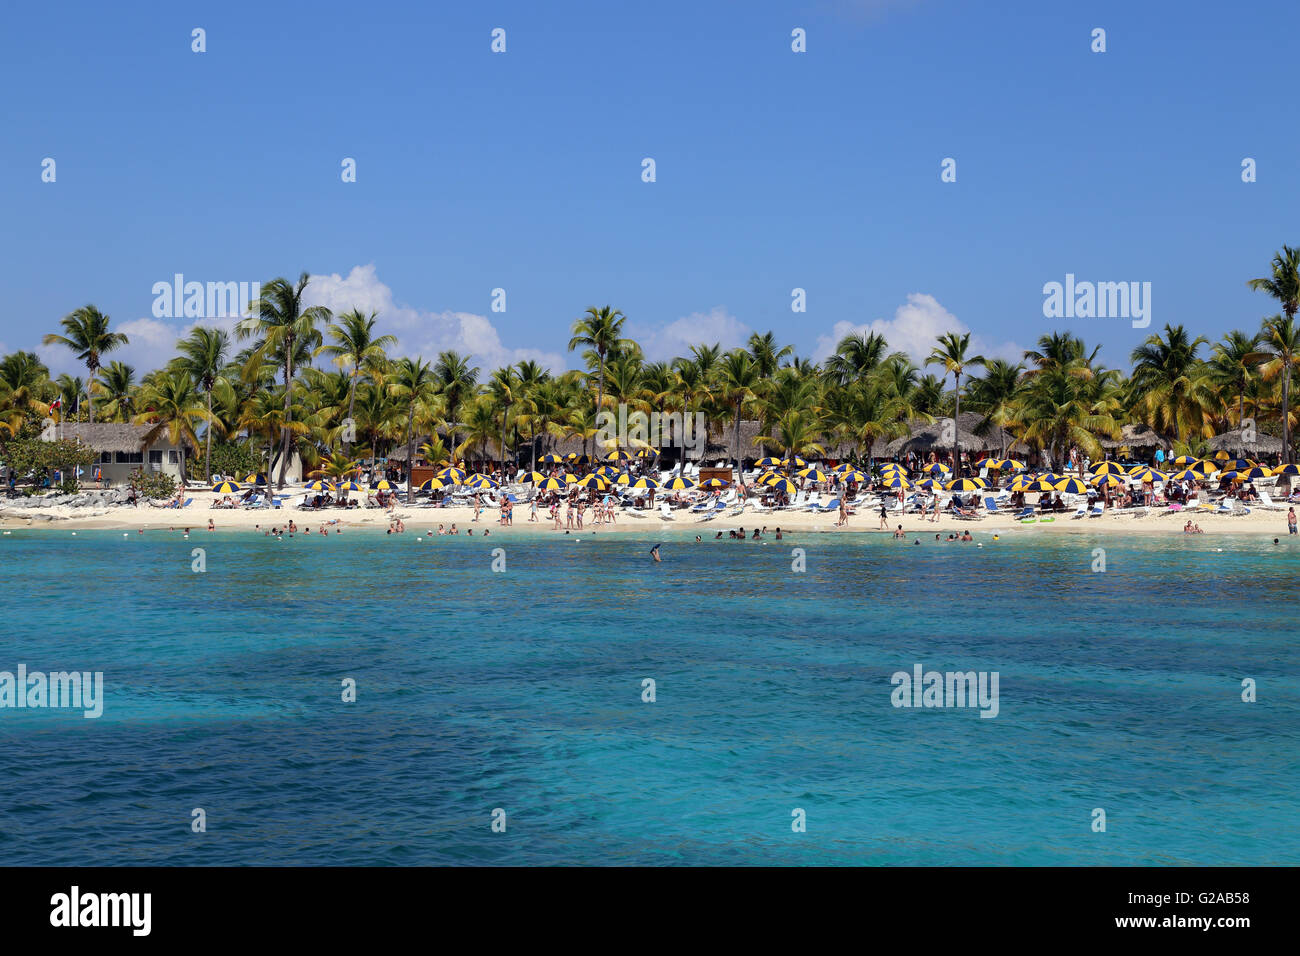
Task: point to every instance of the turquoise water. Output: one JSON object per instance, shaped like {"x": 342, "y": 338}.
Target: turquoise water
{"x": 522, "y": 690}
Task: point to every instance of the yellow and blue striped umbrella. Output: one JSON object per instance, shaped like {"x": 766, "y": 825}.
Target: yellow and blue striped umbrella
{"x": 896, "y": 482}
{"x": 1109, "y": 468}
{"x": 317, "y": 485}
{"x": 534, "y": 476}
{"x": 454, "y": 475}
{"x": 569, "y": 477}
{"x": 767, "y": 477}
{"x": 645, "y": 483}
{"x": 1072, "y": 486}
{"x": 1188, "y": 474}
{"x": 1020, "y": 483}
{"x": 1041, "y": 484}
{"x": 1232, "y": 476}
{"x": 1107, "y": 481}
{"x": 648, "y": 453}
{"x": 1232, "y": 464}
{"x": 592, "y": 481}
{"x": 551, "y": 459}
{"x": 793, "y": 461}
{"x": 929, "y": 483}
{"x": 936, "y": 468}
{"x": 812, "y": 473}
{"x": 225, "y": 487}
{"x": 1287, "y": 469}
{"x": 784, "y": 485}
{"x": 258, "y": 479}
{"x": 1257, "y": 472}
{"x": 713, "y": 484}
{"x": 1011, "y": 464}
{"x": 893, "y": 467}
{"x": 854, "y": 476}
{"x": 623, "y": 478}
{"x": 678, "y": 483}
{"x": 347, "y": 486}
{"x": 620, "y": 455}
{"x": 551, "y": 484}
{"x": 433, "y": 484}
{"x": 963, "y": 484}
{"x": 480, "y": 481}
{"x": 768, "y": 462}
{"x": 1185, "y": 460}
{"x": 382, "y": 484}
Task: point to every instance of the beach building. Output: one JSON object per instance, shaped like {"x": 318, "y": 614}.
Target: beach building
{"x": 119, "y": 450}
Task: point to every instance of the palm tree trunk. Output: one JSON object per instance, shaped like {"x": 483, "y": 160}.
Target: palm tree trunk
{"x": 209, "y": 440}
{"x": 1286, "y": 412}
{"x": 90, "y": 398}
{"x": 410, "y": 419}
{"x": 352, "y": 401}
{"x": 288, "y": 418}
{"x": 956, "y": 415}
{"x": 738, "y": 468}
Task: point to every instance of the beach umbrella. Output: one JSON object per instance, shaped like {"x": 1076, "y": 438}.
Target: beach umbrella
{"x": 645, "y": 483}
{"x": 623, "y": 478}
{"x": 1186, "y": 460}
{"x": 713, "y": 484}
{"x": 454, "y": 475}
{"x": 1287, "y": 470}
{"x": 648, "y": 453}
{"x": 317, "y": 485}
{"x": 1072, "y": 486}
{"x": 793, "y": 461}
{"x": 433, "y": 484}
{"x": 1108, "y": 468}
{"x": 1020, "y": 483}
{"x": 1011, "y": 464}
{"x": 1232, "y": 476}
{"x": 812, "y": 474}
{"x": 1143, "y": 473}
{"x": 225, "y": 487}
{"x": 1209, "y": 467}
{"x": 569, "y": 478}
{"x": 592, "y": 481}
{"x": 480, "y": 481}
{"x": 768, "y": 462}
{"x": 785, "y": 486}
{"x": 1222, "y": 455}
{"x": 607, "y": 471}
{"x": 382, "y": 484}
{"x": 842, "y": 467}
{"x": 896, "y": 482}
{"x": 892, "y": 468}
{"x": 255, "y": 479}
{"x": 347, "y": 486}
{"x": 678, "y": 483}
{"x": 927, "y": 483}
{"x": 963, "y": 484}
{"x": 937, "y": 468}
{"x": 1041, "y": 485}
{"x": 534, "y": 476}
{"x": 1107, "y": 481}
{"x": 1256, "y": 471}
{"x": 620, "y": 455}
{"x": 988, "y": 464}
{"x": 854, "y": 476}
{"x": 577, "y": 459}
{"x": 1232, "y": 464}
{"x": 551, "y": 459}
{"x": 1188, "y": 474}
{"x": 550, "y": 484}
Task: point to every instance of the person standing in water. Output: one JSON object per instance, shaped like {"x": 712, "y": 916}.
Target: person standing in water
{"x": 654, "y": 553}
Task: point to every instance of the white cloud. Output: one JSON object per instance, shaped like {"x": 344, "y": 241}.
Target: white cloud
{"x": 717, "y": 326}
{"x": 419, "y": 332}
{"x": 914, "y": 329}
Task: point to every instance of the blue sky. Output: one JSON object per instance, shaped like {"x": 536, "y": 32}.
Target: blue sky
{"x": 775, "y": 170}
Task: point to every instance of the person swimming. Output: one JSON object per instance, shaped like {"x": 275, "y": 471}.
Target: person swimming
{"x": 654, "y": 553}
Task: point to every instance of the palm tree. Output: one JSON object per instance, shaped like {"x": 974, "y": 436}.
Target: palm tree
{"x": 767, "y": 354}
{"x": 1231, "y": 366}
{"x": 86, "y": 333}
{"x": 457, "y": 379}
{"x": 856, "y": 356}
{"x": 1173, "y": 384}
{"x": 172, "y": 406}
{"x": 738, "y": 377}
{"x": 116, "y": 383}
{"x": 992, "y": 394}
{"x": 1279, "y": 351}
{"x": 357, "y": 349}
{"x": 1284, "y": 286}
{"x": 412, "y": 381}
{"x": 502, "y": 388}
{"x": 951, "y": 354}
{"x": 25, "y": 389}
{"x": 203, "y": 356}
{"x": 598, "y": 329}
{"x": 282, "y": 326}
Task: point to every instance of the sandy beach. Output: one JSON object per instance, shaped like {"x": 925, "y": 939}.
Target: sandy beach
{"x": 420, "y": 519}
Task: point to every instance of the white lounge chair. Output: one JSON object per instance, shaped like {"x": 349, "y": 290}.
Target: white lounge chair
{"x": 665, "y": 512}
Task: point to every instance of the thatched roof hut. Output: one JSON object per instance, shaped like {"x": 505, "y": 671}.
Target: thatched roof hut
{"x": 104, "y": 436}
{"x": 937, "y": 435}
{"x": 1137, "y": 436}
{"x": 1232, "y": 441}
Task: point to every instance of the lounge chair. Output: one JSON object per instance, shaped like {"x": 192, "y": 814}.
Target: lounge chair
{"x": 1026, "y": 512}
{"x": 665, "y": 512}
{"x": 1267, "y": 503}
{"x": 1096, "y": 511}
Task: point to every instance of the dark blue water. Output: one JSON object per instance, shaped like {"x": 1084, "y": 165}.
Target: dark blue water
{"x": 522, "y": 690}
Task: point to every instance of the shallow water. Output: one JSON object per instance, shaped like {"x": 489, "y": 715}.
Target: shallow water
{"x": 522, "y": 690}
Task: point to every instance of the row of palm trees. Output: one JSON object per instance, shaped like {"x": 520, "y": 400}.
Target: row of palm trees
{"x": 294, "y": 379}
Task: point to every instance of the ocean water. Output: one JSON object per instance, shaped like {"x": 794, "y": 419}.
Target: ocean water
{"x": 522, "y": 690}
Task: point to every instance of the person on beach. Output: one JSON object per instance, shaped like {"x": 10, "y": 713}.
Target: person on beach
{"x": 844, "y": 514}
{"x": 532, "y": 510}
{"x": 1290, "y": 520}
{"x": 884, "y": 515}
{"x": 211, "y": 525}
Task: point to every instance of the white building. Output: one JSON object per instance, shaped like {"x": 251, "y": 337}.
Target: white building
{"x": 119, "y": 450}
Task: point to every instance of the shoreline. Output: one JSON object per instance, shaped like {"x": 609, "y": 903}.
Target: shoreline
{"x": 422, "y": 520}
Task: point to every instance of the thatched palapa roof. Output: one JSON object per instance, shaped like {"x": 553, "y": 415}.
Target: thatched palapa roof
{"x": 1232, "y": 441}
{"x": 1137, "y": 436}
{"x": 105, "y": 436}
